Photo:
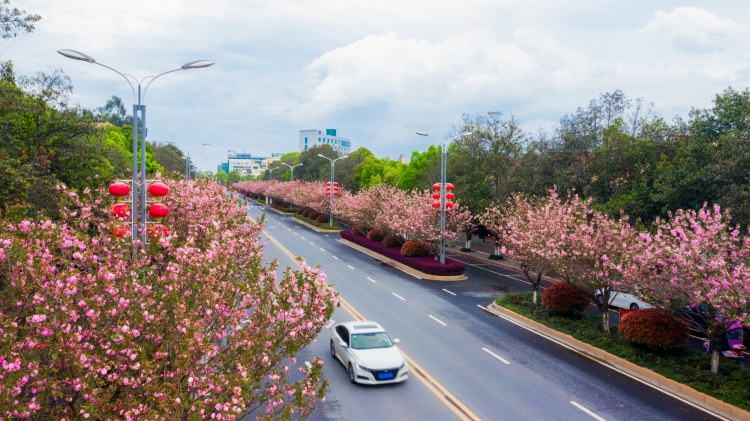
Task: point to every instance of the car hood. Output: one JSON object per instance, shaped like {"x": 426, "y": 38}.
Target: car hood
{"x": 379, "y": 358}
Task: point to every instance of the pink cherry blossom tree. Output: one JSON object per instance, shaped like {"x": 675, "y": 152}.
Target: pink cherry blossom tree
{"x": 194, "y": 326}
{"x": 695, "y": 259}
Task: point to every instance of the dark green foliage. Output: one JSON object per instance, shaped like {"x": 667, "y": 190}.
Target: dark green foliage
{"x": 13, "y": 20}
{"x": 565, "y": 299}
{"x": 415, "y": 248}
{"x": 375, "y": 235}
{"x": 393, "y": 241}
{"x": 654, "y": 328}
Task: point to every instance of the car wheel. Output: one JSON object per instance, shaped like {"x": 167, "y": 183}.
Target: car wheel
{"x": 350, "y": 370}
{"x": 634, "y": 306}
{"x": 333, "y": 351}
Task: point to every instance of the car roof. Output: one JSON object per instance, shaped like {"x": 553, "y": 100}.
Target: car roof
{"x": 362, "y": 326}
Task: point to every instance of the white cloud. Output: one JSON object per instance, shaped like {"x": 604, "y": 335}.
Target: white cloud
{"x": 692, "y": 29}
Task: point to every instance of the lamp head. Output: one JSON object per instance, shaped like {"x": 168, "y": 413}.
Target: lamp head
{"x": 197, "y": 64}
{"x": 423, "y": 133}
{"x": 76, "y": 55}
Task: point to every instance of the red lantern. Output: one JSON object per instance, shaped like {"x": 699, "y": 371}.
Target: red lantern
{"x": 450, "y": 187}
{"x": 449, "y": 196}
{"x": 436, "y": 196}
{"x": 119, "y": 189}
{"x": 328, "y": 184}
{"x": 158, "y": 189}
{"x": 120, "y": 210}
{"x": 335, "y": 184}
{"x": 158, "y": 211}
{"x": 449, "y": 205}
{"x": 436, "y": 187}
{"x": 118, "y": 231}
{"x": 158, "y": 230}
{"x": 435, "y": 205}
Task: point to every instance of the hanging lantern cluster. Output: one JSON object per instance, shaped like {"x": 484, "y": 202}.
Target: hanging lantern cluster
{"x": 120, "y": 211}
{"x": 449, "y": 196}
{"x": 335, "y": 188}
{"x": 158, "y": 210}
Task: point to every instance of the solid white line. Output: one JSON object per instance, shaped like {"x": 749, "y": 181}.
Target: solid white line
{"x": 613, "y": 368}
{"x": 398, "y": 296}
{"x": 371, "y": 280}
{"x": 322, "y": 249}
{"x": 328, "y": 326}
{"x": 335, "y": 257}
{"x": 350, "y": 267}
{"x": 435, "y": 319}
{"x": 451, "y": 293}
{"x": 495, "y": 355}
{"x": 581, "y": 407}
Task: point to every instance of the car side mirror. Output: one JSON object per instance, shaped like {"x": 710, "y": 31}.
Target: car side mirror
{"x": 396, "y": 340}
{"x": 343, "y": 344}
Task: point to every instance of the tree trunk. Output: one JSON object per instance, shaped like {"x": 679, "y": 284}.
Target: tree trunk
{"x": 467, "y": 246}
{"x": 715, "y": 358}
{"x": 605, "y": 321}
{"x": 534, "y": 296}
{"x": 497, "y": 249}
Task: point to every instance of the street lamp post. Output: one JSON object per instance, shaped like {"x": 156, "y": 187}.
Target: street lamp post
{"x": 291, "y": 169}
{"x": 443, "y": 167}
{"x": 139, "y": 189}
{"x": 333, "y": 163}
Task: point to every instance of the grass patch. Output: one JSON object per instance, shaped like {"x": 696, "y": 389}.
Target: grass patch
{"x": 684, "y": 365}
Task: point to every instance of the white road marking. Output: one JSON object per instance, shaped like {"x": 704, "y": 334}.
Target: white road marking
{"x": 371, "y": 280}
{"x": 350, "y": 267}
{"x": 398, "y": 296}
{"x": 322, "y": 249}
{"x": 328, "y": 326}
{"x": 582, "y": 408}
{"x": 311, "y": 243}
{"x": 435, "y": 319}
{"x": 451, "y": 293}
{"x": 335, "y": 257}
{"x": 495, "y": 355}
{"x": 301, "y": 237}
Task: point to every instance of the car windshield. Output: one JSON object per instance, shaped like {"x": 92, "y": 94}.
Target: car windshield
{"x": 371, "y": 340}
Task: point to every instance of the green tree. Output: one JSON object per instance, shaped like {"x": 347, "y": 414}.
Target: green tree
{"x": 315, "y": 168}
{"x": 13, "y": 20}
{"x": 423, "y": 170}
{"x": 170, "y": 157}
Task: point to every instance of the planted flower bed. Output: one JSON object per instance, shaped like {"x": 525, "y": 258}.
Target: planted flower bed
{"x": 426, "y": 264}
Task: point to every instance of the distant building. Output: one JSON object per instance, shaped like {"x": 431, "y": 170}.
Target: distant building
{"x": 311, "y": 138}
{"x": 244, "y": 163}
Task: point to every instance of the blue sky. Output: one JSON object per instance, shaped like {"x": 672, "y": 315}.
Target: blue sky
{"x": 379, "y": 71}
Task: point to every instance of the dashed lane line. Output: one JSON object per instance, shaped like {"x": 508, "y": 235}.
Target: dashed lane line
{"x": 398, "y": 296}
{"x": 584, "y": 409}
{"x": 503, "y": 360}
{"x": 437, "y": 320}
{"x": 449, "y": 292}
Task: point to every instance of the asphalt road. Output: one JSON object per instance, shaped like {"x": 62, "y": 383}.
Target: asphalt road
{"x": 465, "y": 362}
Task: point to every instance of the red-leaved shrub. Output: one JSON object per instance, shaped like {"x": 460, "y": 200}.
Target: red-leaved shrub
{"x": 565, "y": 299}
{"x": 321, "y": 218}
{"x": 393, "y": 241}
{"x": 655, "y": 328}
{"x": 415, "y": 248}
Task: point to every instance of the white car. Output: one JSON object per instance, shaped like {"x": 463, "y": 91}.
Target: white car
{"x": 624, "y": 299}
{"x": 368, "y": 353}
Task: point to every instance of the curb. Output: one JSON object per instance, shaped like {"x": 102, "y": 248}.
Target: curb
{"x": 401, "y": 266}
{"x": 649, "y": 377}
{"x": 299, "y": 221}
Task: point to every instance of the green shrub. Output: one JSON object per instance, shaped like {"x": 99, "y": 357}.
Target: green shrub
{"x": 415, "y": 249}
{"x": 375, "y": 235}
{"x": 496, "y": 257}
{"x": 565, "y": 299}
{"x": 393, "y": 241}
{"x": 655, "y": 328}
{"x": 321, "y": 218}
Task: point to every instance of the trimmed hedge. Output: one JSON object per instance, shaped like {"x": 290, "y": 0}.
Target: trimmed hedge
{"x": 425, "y": 264}
{"x": 654, "y": 328}
{"x": 375, "y": 235}
{"x": 415, "y": 249}
{"x": 393, "y": 241}
{"x": 565, "y": 299}
{"x": 359, "y": 230}
{"x": 321, "y": 218}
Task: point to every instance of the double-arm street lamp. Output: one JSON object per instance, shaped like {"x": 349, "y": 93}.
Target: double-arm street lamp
{"x": 139, "y": 189}
{"x": 291, "y": 169}
{"x": 333, "y": 163}
{"x": 443, "y": 164}
{"x": 189, "y": 162}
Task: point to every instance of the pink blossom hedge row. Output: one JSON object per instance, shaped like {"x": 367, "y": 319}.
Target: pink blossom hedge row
{"x": 193, "y": 326}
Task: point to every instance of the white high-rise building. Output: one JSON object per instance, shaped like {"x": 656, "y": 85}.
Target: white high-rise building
{"x": 310, "y": 138}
